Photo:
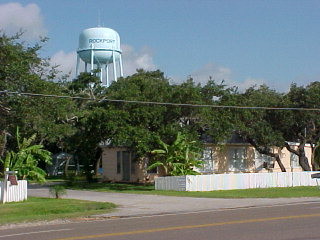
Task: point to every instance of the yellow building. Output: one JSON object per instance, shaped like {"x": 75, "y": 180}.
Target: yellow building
{"x": 242, "y": 157}
{"x": 119, "y": 164}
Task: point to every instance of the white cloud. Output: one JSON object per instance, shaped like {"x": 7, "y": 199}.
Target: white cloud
{"x": 15, "y": 17}
{"x": 66, "y": 62}
{"x": 221, "y": 73}
{"x": 218, "y": 73}
{"x": 131, "y": 59}
{"x": 250, "y": 82}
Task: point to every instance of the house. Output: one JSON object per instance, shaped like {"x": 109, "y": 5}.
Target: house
{"x": 120, "y": 165}
{"x": 242, "y": 157}
{"x": 234, "y": 156}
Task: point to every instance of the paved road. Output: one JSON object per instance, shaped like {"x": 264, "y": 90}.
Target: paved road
{"x": 296, "y": 221}
{"x": 140, "y": 205}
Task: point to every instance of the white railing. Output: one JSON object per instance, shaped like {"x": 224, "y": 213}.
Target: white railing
{"x": 235, "y": 181}
{"x": 14, "y": 193}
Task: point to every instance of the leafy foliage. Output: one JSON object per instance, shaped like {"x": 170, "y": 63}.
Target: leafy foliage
{"x": 57, "y": 191}
{"x": 23, "y": 70}
{"x": 26, "y": 159}
{"x": 178, "y": 158}
{"x": 259, "y": 126}
{"x": 302, "y": 127}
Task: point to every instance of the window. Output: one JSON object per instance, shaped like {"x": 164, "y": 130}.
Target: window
{"x": 294, "y": 160}
{"x": 261, "y": 160}
{"x": 237, "y": 158}
{"x": 207, "y": 159}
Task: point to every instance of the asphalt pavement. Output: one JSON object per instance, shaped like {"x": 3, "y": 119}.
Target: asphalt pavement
{"x": 142, "y": 205}
{"x": 291, "y": 221}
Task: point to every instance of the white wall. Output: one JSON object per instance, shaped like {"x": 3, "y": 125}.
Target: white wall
{"x": 235, "y": 181}
{"x": 15, "y": 193}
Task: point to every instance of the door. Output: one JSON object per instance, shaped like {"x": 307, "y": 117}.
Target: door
{"x": 126, "y": 166}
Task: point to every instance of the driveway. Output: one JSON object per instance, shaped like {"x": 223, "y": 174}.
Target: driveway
{"x": 141, "y": 205}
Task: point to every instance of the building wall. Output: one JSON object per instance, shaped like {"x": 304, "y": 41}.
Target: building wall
{"x": 222, "y": 159}
{"x": 109, "y": 164}
{"x": 138, "y": 172}
{"x": 222, "y": 155}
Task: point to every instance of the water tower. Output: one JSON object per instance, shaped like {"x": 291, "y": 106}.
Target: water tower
{"x": 100, "y": 47}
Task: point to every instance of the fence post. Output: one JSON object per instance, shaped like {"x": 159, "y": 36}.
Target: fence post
{"x": 5, "y": 184}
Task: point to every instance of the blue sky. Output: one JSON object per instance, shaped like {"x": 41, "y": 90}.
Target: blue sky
{"x": 243, "y": 42}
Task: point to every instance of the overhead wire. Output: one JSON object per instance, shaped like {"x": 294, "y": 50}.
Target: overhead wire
{"x": 2, "y": 93}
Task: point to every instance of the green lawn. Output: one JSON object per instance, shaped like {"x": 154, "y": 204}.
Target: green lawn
{"x": 245, "y": 193}
{"x": 38, "y": 209}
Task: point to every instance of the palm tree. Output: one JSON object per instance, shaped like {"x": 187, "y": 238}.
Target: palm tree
{"x": 27, "y": 158}
{"x": 179, "y": 158}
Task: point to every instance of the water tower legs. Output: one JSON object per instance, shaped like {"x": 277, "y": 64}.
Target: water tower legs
{"x": 78, "y": 65}
{"x": 92, "y": 62}
{"x": 121, "y": 68}
{"x": 107, "y": 75}
{"x": 114, "y": 66}
{"x": 101, "y": 75}
{"x": 102, "y": 69}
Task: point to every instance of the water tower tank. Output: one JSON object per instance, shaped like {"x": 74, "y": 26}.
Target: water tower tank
{"x": 100, "y": 47}
{"x": 103, "y": 41}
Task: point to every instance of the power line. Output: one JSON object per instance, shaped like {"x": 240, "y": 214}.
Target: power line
{"x": 157, "y": 103}
{"x": 44, "y": 95}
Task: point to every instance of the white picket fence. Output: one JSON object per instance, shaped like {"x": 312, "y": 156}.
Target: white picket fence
{"x": 235, "y": 181}
{"x": 15, "y": 193}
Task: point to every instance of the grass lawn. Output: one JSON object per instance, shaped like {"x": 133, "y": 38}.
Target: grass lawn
{"x": 38, "y": 209}
{"x": 245, "y": 193}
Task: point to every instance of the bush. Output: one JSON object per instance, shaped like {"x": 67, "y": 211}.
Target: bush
{"x": 58, "y": 191}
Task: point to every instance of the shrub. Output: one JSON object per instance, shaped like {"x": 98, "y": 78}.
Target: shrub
{"x": 58, "y": 191}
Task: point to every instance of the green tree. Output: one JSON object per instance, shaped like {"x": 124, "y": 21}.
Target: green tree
{"x": 139, "y": 126}
{"x": 86, "y": 85}
{"x": 259, "y": 126}
{"x": 23, "y": 70}
{"x": 131, "y": 125}
{"x": 302, "y": 126}
{"x": 265, "y": 129}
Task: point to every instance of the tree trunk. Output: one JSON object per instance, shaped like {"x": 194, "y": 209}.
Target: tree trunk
{"x": 97, "y": 165}
{"x": 278, "y": 160}
{"x": 3, "y": 143}
{"x": 266, "y": 151}
{"x": 313, "y": 151}
{"x": 313, "y": 156}
{"x": 303, "y": 160}
{"x": 66, "y": 165}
